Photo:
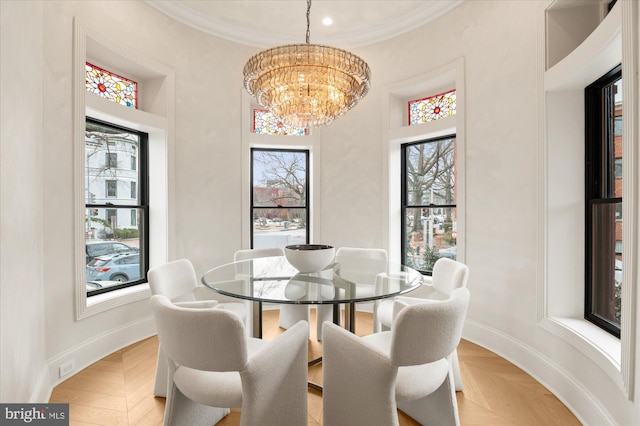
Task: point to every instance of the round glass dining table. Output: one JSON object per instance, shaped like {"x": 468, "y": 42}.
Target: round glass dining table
{"x": 275, "y": 280}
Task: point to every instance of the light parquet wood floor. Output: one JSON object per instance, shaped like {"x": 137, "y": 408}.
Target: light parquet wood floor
{"x": 118, "y": 390}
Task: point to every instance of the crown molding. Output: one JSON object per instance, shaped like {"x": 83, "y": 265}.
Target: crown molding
{"x": 426, "y": 12}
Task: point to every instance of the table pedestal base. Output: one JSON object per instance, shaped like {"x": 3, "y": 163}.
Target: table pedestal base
{"x": 349, "y": 317}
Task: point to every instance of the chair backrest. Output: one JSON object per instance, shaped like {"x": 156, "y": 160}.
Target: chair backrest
{"x": 274, "y": 384}
{"x": 257, "y": 253}
{"x": 449, "y": 275}
{"x": 202, "y": 339}
{"x": 427, "y": 332}
{"x": 364, "y": 253}
{"x": 358, "y": 381}
{"x": 175, "y": 280}
{"x": 361, "y": 264}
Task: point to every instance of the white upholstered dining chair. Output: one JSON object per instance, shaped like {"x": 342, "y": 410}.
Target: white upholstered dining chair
{"x": 355, "y": 264}
{"x": 447, "y": 276}
{"x": 289, "y": 314}
{"x": 367, "y": 379}
{"x": 214, "y": 366}
{"x": 178, "y": 282}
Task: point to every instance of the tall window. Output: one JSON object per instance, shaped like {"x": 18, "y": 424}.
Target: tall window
{"x": 429, "y": 220}
{"x": 603, "y": 204}
{"x": 116, "y": 221}
{"x": 279, "y": 197}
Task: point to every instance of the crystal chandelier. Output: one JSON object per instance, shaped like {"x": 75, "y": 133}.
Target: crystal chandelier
{"x": 307, "y": 85}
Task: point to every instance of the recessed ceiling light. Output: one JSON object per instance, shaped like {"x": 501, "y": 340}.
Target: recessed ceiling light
{"x": 327, "y": 21}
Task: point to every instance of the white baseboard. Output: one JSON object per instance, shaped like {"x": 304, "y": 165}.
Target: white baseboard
{"x": 90, "y": 351}
{"x": 573, "y": 394}
{"x": 42, "y": 389}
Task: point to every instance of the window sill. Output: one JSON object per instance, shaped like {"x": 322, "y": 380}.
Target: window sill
{"x": 106, "y": 301}
{"x": 601, "y": 347}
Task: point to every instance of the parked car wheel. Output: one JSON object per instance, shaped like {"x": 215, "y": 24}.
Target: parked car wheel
{"x": 120, "y": 278}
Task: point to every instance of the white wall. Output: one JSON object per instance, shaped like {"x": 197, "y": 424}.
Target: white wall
{"x": 206, "y": 187}
{"x": 22, "y": 305}
{"x": 497, "y": 40}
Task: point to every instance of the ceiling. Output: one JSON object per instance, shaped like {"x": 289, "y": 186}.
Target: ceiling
{"x": 266, "y": 23}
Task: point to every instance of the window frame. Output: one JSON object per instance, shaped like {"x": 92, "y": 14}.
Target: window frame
{"x": 307, "y": 204}
{"x": 249, "y": 139}
{"x": 599, "y": 142}
{"x": 141, "y": 205}
{"x": 404, "y": 196}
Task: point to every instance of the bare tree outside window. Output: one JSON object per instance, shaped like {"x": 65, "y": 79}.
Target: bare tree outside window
{"x": 279, "y": 197}
{"x": 429, "y": 206}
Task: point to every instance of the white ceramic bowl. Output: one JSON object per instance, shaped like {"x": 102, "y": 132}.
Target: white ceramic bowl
{"x": 309, "y": 257}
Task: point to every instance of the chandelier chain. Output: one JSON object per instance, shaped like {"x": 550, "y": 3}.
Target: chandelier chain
{"x": 308, "y": 19}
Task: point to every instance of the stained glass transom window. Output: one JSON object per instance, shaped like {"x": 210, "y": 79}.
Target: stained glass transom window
{"x": 111, "y": 86}
{"x": 432, "y": 108}
{"x": 266, "y": 123}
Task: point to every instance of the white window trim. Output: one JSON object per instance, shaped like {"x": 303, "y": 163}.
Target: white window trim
{"x": 561, "y": 291}
{"x": 395, "y": 120}
{"x": 250, "y": 140}
{"x": 159, "y": 124}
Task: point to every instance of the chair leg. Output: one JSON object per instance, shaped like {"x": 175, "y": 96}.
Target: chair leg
{"x": 437, "y": 409}
{"x": 455, "y": 367}
{"x": 323, "y": 313}
{"x": 180, "y": 410}
{"x": 160, "y": 387}
{"x": 249, "y": 318}
{"x": 377, "y": 326}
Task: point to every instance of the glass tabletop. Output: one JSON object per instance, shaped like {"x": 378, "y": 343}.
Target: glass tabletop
{"x": 274, "y": 280}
